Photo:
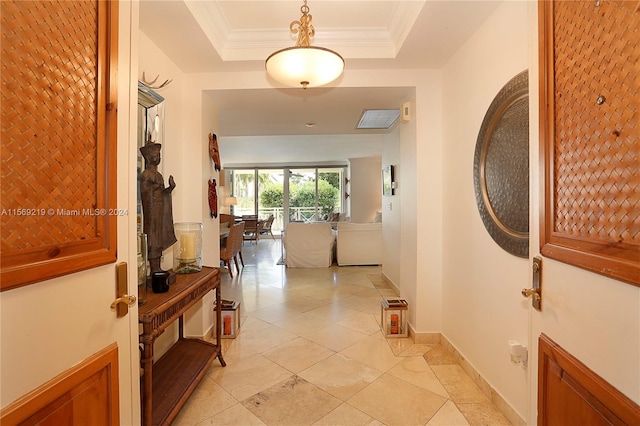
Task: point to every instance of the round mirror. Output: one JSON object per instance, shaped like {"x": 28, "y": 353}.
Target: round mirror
{"x": 501, "y": 167}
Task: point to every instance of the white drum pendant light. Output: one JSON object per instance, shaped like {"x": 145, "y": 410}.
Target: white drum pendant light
{"x": 304, "y": 65}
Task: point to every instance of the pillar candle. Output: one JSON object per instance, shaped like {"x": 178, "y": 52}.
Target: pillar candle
{"x": 188, "y": 246}
{"x": 227, "y": 325}
{"x": 394, "y": 324}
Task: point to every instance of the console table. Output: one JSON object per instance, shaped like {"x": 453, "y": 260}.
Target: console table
{"x": 167, "y": 383}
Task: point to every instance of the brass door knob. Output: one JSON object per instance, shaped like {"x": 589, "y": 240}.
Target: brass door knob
{"x": 528, "y": 292}
{"x": 126, "y": 299}
{"x": 536, "y": 301}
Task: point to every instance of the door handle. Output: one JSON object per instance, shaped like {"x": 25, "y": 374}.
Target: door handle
{"x": 536, "y": 291}
{"x": 123, "y": 300}
{"x": 126, "y": 299}
{"x": 528, "y": 292}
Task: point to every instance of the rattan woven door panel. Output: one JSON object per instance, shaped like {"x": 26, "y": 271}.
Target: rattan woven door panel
{"x": 590, "y": 135}
{"x": 58, "y": 138}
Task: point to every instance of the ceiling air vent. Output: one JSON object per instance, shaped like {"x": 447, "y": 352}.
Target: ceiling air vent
{"x": 378, "y": 118}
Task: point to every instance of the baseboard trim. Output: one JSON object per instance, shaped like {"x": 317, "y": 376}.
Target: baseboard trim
{"x": 207, "y": 333}
{"x": 491, "y": 393}
{"x": 438, "y": 338}
{"x": 390, "y": 282}
{"x": 425, "y": 338}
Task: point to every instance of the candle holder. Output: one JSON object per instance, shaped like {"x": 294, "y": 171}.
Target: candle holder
{"x": 394, "y": 318}
{"x": 187, "y": 252}
{"x": 230, "y": 324}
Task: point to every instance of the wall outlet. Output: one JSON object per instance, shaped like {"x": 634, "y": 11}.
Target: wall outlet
{"x": 518, "y": 353}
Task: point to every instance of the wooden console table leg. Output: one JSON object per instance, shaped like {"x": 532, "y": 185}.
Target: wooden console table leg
{"x": 147, "y": 386}
{"x": 218, "y": 322}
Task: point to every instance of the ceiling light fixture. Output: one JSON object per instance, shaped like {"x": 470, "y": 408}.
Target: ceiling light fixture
{"x": 304, "y": 64}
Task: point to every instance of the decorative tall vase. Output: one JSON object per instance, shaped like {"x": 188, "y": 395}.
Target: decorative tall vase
{"x": 142, "y": 268}
{"x": 187, "y": 252}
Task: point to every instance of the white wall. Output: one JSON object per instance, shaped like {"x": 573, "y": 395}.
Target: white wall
{"x": 210, "y": 123}
{"x": 421, "y": 175}
{"x": 481, "y": 302}
{"x": 201, "y": 321}
{"x": 391, "y": 207}
{"x": 593, "y": 317}
{"x": 365, "y": 188}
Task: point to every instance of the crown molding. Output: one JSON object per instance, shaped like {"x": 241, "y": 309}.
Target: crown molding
{"x": 212, "y": 21}
{"x": 351, "y": 43}
{"x": 404, "y": 17}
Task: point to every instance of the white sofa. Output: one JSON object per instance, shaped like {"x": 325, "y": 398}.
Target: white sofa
{"x": 359, "y": 243}
{"x": 309, "y": 245}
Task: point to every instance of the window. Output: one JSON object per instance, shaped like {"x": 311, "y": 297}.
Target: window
{"x": 307, "y": 194}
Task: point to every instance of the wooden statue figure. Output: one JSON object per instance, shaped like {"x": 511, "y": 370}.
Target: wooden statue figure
{"x": 214, "y": 152}
{"x": 157, "y": 208}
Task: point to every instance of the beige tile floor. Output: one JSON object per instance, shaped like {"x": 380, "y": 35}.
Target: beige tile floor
{"x": 310, "y": 352}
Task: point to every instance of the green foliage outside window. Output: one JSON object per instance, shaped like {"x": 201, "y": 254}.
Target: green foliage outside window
{"x": 303, "y": 195}
{"x": 272, "y": 195}
{"x": 332, "y": 177}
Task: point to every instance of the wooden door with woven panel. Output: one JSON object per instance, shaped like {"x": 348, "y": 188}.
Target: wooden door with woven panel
{"x": 66, "y": 358}
{"x": 590, "y": 135}
{"x": 589, "y": 72}
{"x": 58, "y": 140}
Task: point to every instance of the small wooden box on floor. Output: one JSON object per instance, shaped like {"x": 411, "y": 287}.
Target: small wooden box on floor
{"x": 394, "y": 318}
{"x": 230, "y": 323}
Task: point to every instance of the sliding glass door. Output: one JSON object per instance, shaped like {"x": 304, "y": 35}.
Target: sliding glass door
{"x": 330, "y": 191}
{"x": 290, "y": 194}
{"x": 314, "y": 194}
{"x": 302, "y": 195}
{"x": 244, "y": 190}
{"x": 271, "y": 197}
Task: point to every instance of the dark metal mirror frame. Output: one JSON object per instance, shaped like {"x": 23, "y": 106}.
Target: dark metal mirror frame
{"x": 501, "y": 167}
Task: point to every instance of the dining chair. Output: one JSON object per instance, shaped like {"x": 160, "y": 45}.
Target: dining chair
{"x": 265, "y": 226}
{"x": 237, "y": 247}
{"x": 251, "y": 231}
{"x": 232, "y": 250}
{"x": 227, "y": 218}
